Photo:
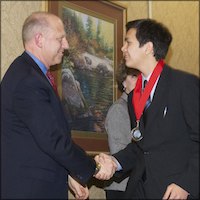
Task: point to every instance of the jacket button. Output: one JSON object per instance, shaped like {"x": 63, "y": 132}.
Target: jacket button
{"x": 146, "y": 152}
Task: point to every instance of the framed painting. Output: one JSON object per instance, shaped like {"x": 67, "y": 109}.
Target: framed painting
{"x": 86, "y": 76}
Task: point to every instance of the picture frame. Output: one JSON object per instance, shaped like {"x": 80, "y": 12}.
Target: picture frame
{"x": 94, "y": 31}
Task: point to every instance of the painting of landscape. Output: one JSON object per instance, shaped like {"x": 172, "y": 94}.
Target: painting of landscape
{"x": 87, "y": 69}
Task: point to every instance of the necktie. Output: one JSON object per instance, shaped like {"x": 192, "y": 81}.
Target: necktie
{"x": 149, "y": 99}
{"x": 52, "y": 81}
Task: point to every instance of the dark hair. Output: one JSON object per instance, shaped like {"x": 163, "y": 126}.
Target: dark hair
{"x": 122, "y": 73}
{"x": 149, "y": 30}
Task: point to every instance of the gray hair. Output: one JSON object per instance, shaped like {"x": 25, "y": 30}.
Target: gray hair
{"x": 35, "y": 23}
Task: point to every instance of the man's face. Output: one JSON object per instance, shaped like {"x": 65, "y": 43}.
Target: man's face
{"x": 133, "y": 54}
{"x": 55, "y": 43}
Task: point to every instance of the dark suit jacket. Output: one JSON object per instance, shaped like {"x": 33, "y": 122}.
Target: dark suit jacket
{"x": 169, "y": 151}
{"x": 37, "y": 152}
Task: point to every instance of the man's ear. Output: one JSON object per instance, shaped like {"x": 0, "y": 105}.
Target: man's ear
{"x": 149, "y": 48}
{"x": 38, "y": 39}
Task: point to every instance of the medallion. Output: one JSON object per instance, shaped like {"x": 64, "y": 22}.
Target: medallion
{"x": 135, "y": 133}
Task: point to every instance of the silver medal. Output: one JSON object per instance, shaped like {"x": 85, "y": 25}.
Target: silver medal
{"x": 135, "y": 133}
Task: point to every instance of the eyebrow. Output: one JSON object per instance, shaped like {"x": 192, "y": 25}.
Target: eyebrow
{"x": 127, "y": 39}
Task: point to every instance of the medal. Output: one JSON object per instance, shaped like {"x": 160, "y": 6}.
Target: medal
{"x": 135, "y": 133}
{"x": 139, "y": 98}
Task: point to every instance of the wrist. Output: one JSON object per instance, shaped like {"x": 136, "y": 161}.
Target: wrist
{"x": 118, "y": 167}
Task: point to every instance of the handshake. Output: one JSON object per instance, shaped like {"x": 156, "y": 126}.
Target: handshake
{"x": 107, "y": 166}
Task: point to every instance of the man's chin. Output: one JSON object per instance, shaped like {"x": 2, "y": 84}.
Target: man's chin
{"x": 127, "y": 63}
{"x": 58, "y": 61}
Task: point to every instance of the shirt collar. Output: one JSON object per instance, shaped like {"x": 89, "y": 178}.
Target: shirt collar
{"x": 145, "y": 78}
{"x": 38, "y": 62}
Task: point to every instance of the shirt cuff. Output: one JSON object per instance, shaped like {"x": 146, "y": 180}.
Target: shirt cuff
{"x": 119, "y": 167}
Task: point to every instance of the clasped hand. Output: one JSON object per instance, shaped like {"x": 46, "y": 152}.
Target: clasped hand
{"x": 79, "y": 191}
{"x": 108, "y": 166}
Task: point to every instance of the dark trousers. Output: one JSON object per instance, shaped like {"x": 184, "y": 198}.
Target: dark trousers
{"x": 114, "y": 194}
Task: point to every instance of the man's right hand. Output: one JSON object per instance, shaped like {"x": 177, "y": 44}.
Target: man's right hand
{"x": 108, "y": 166}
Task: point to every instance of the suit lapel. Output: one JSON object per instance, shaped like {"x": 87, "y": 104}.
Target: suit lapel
{"x": 159, "y": 98}
{"x": 131, "y": 110}
{"x": 38, "y": 72}
{"x": 36, "y": 68}
{"x": 158, "y": 103}
{"x": 31, "y": 62}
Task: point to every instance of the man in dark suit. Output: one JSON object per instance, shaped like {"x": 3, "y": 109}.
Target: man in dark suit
{"x": 164, "y": 155}
{"x": 37, "y": 152}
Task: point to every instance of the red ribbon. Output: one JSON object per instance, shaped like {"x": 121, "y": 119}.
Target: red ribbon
{"x": 139, "y": 99}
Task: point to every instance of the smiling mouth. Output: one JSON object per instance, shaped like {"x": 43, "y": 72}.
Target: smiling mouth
{"x": 125, "y": 57}
{"x": 61, "y": 53}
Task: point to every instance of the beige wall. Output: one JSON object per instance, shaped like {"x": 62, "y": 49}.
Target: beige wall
{"x": 182, "y": 18}
{"x": 13, "y": 14}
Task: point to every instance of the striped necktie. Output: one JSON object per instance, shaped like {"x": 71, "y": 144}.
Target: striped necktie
{"x": 149, "y": 99}
{"x": 52, "y": 81}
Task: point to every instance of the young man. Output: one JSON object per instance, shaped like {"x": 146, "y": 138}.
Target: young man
{"x": 164, "y": 153}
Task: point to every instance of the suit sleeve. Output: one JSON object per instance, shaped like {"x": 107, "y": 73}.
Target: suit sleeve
{"x": 190, "y": 103}
{"x": 43, "y": 117}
